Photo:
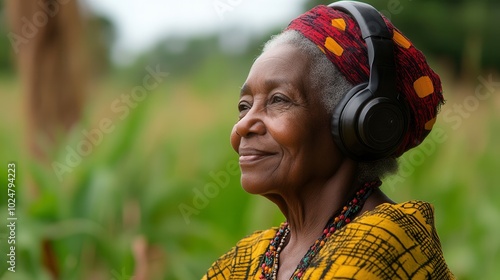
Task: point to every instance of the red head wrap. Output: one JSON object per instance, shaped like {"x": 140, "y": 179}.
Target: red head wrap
{"x": 339, "y": 37}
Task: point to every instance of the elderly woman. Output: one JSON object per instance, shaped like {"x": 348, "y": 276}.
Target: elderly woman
{"x": 326, "y": 109}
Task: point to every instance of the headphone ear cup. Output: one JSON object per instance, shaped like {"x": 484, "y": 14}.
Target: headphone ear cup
{"x": 338, "y": 130}
{"x": 368, "y": 128}
{"x": 381, "y": 126}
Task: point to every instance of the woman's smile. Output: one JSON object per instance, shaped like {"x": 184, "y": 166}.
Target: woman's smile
{"x": 250, "y": 156}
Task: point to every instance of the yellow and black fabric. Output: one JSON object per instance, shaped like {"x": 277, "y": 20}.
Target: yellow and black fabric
{"x": 393, "y": 241}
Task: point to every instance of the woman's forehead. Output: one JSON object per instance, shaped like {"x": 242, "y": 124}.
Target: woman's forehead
{"x": 283, "y": 55}
{"x": 280, "y": 65}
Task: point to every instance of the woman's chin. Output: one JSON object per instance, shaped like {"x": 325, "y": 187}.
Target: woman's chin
{"x": 254, "y": 185}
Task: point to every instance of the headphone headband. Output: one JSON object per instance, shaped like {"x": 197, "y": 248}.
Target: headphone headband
{"x": 369, "y": 20}
{"x": 379, "y": 45}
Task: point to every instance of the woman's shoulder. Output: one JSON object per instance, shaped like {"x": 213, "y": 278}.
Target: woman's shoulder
{"x": 393, "y": 211}
{"x": 390, "y": 241}
{"x": 409, "y": 207}
{"x": 257, "y": 237}
{"x": 243, "y": 259}
{"x": 253, "y": 244}
{"x": 414, "y": 214}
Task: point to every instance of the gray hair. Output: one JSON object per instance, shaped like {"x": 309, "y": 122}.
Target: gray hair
{"x": 327, "y": 80}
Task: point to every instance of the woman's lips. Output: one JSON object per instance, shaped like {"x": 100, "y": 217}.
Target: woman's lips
{"x": 249, "y": 156}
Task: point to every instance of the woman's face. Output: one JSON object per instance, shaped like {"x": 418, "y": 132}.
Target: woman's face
{"x": 283, "y": 133}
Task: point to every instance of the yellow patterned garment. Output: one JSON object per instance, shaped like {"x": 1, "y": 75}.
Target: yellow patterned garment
{"x": 394, "y": 241}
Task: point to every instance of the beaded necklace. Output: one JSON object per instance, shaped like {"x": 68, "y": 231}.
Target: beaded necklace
{"x": 270, "y": 262}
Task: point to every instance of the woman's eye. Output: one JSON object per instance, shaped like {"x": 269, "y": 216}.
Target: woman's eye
{"x": 243, "y": 106}
{"x": 278, "y": 99}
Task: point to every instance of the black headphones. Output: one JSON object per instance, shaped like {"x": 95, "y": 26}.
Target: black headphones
{"x": 371, "y": 120}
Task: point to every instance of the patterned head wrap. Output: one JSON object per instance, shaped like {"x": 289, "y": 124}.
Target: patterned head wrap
{"x": 339, "y": 37}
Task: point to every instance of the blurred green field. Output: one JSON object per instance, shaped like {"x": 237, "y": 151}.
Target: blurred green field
{"x": 164, "y": 175}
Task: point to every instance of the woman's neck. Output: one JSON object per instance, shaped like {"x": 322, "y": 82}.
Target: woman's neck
{"x": 308, "y": 209}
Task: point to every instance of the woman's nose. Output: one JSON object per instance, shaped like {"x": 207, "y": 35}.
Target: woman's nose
{"x": 251, "y": 124}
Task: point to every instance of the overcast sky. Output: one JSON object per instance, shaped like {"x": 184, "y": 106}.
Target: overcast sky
{"x": 140, "y": 23}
